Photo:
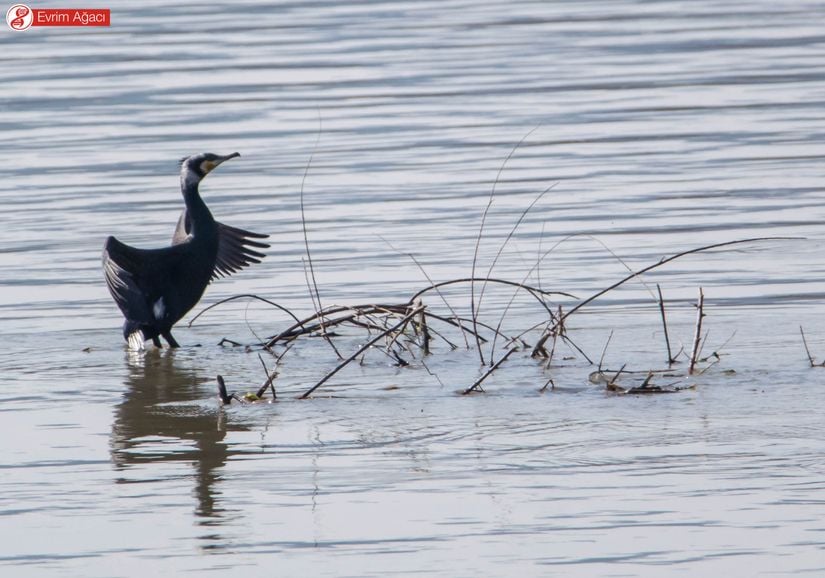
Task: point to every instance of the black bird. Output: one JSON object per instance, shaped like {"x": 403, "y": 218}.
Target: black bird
{"x": 154, "y": 288}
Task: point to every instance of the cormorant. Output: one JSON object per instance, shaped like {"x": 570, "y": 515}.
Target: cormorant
{"x": 154, "y": 288}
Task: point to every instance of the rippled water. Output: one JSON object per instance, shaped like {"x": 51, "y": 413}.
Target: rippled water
{"x": 665, "y": 126}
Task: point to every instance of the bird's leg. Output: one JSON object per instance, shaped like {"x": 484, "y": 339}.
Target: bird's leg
{"x": 169, "y": 339}
{"x": 156, "y": 341}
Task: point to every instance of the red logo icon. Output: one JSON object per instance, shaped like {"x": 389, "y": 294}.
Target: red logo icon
{"x": 19, "y": 17}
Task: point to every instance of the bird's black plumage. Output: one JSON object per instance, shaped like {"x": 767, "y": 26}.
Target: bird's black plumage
{"x": 155, "y": 288}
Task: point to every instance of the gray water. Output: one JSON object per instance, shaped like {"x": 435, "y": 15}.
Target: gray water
{"x": 664, "y": 126}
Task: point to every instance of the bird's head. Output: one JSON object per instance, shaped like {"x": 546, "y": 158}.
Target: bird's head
{"x": 193, "y": 169}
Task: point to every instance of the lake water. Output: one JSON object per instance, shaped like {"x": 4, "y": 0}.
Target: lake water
{"x": 664, "y": 126}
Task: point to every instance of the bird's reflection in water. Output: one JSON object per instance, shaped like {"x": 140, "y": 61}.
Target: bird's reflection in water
{"x": 162, "y": 418}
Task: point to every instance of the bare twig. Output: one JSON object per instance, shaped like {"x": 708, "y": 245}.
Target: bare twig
{"x": 452, "y": 345}
{"x": 501, "y": 250}
{"x": 648, "y": 379}
{"x": 432, "y": 285}
{"x": 480, "y": 233}
{"x": 808, "y": 351}
{"x": 570, "y": 343}
{"x": 611, "y": 384}
{"x": 540, "y": 344}
{"x": 541, "y": 351}
{"x": 320, "y": 314}
{"x": 538, "y": 256}
{"x": 366, "y": 346}
{"x": 559, "y": 331}
{"x": 244, "y": 296}
{"x": 604, "y": 351}
{"x": 270, "y": 380}
{"x": 716, "y": 351}
{"x": 618, "y": 373}
{"x": 425, "y": 332}
{"x": 316, "y": 294}
{"x": 704, "y": 369}
{"x": 432, "y": 373}
{"x": 302, "y": 327}
{"x": 697, "y": 338}
{"x": 487, "y": 373}
{"x": 534, "y": 291}
{"x": 702, "y": 343}
{"x": 400, "y": 330}
{"x": 550, "y": 383}
{"x": 670, "y": 359}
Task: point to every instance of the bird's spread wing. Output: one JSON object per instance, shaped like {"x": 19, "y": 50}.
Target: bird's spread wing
{"x": 120, "y": 266}
{"x": 234, "y": 250}
{"x": 234, "y": 246}
{"x": 133, "y": 276}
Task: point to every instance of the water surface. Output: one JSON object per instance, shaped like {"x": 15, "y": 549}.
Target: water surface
{"x": 664, "y": 125}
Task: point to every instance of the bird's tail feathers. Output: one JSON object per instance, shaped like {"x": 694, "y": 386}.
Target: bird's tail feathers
{"x": 135, "y": 341}
{"x": 133, "y": 334}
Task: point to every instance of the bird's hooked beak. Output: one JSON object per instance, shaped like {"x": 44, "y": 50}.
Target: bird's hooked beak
{"x": 209, "y": 166}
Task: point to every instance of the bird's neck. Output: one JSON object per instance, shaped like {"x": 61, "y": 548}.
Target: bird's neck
{"x": 198, "y": 212}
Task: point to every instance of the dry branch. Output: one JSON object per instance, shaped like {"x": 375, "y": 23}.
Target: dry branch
{"x": 244, "y": 296}
{"x": 808, "y": 351}
{"x": 534, "y": 291}
{"x": 539, "y": 347}
{"x": 670, "y": 359}
{"x": 366, "y": 346}
{"x": 270, "y": 380}
{"x": 473, "y": 311}
{"x": 409, "y": 328}
{"x": 302, "y": 326}
{"x": 432, "y": 285}
{"x": 487, "y": 373}
{"x": 495, "y": 261}
{"x": 697, "y": 337}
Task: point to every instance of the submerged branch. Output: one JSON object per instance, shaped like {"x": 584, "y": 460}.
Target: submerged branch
{"x": 540, "y": 345}
{"x": 487, "y": 373}
{"x": 361, "y": 350}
